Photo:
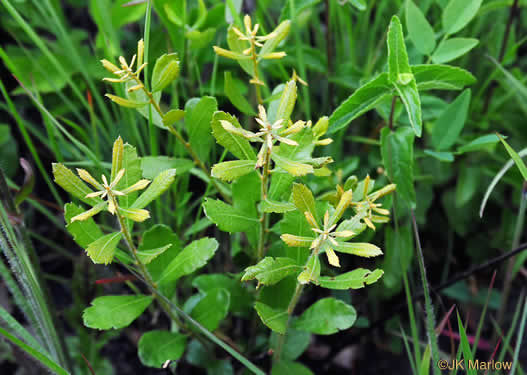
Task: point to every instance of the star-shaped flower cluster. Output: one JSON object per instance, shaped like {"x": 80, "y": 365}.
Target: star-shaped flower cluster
{"x": 268, "y": 135}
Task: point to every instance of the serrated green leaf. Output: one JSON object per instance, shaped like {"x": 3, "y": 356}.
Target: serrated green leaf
{"x": 160, "y": 184}
{"x": 83, "y": 232}
{"x": 397, "y": 155}
{"x": 450, "y": 123}
{"x": 440, "y": 155}
{"x": 412, "y": 103}
{"x": 165, "y": 71}
{"x": 419, "y": 30}
{"x": 441, "y": 77}
{"x": 326, "y": 316}
{"x": 458, "y": 13}
{"x": 198, "y": 116}
{"x": 234, "y": 95}
{"x": 398, "y": 64}
{"x": 303, "y": 199}
{"x": 193, "y": 256}
{"x": 275, "y": 319}
{"x": 69, "y": 181}
{"x": 453, "y": 48}
{"x": 115, "y": 312}
{"x": 270, "y": 270}
{"x": 479, "y": 143}
{"x": 102, "y": 250}
{"x": 147, "y": 256}
{"x": 269, "y": 205}
{"x": 311, "y": 271}
{"x": 236, "y": 144}
{"x": 154, "y": 165}
{"x": 281, "y": 32}
{"x": 227, "y": 217}
{"x": 295, "y": 168}
{"x": 362, "y": 249}
{"x": 212, "y": 308}
{"x": 365, "y": 98}
{"x": 231, "y": 170}
{"x": 355, "y": 279}
{"x": 156, "y": 347}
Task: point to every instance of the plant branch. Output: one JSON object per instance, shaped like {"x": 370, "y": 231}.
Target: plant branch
{"x": 264, "y": 178}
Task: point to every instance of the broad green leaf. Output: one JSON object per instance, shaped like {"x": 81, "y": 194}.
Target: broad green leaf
{"x": 102, "y": 250}
{"x": 441, "y": 77}
{"x": 269, "y": 205}
{"x": 280, "y": 32}
{"x": 458, "y": 13}
{"x": 157, "y": 187}
{"x": 270, "y": 270}
{"x": 286, "y": 104}
{"x": 355, "y": 224}
{"x": 440, "y": 155}
{"x": 295, "y": 343}
{"x": 275, "y": 319}
{"x": 154, "y": 165}
{"x": 280, "y": 185}
{"x": 295, "y": 168}
{"x": 198, "y": 115}
{"x": 412, "y": 103}
{"x": 419, "y": 30}
{"x": 69, "y": 181}
{"x": 326, "y": 316}
{"x": 147, "y": 256}
{"x": 398, "y": 159}
{"x": 453, "y": 48}
{"x": 212, "y": 308}
{"x": 362, "y": 100}
{"x": 288, "y": 367}
{"x": 398, "y": 65}
{"x": 227, "y": 217}
{"x": 311, "y": 271}
{"x": 239, "y": 46}
{"x": 236, "y": 144}
{"x": 241, "y": 298}
{"x": 355, "y": 279}
{"x": 165, "y": 71}
{"x": 159, "y": 236}
{"x": 115, "y": 311}
{"x": 479, "y": 143}
{"x": 303, "y": 199}
{"x": 450, "y": 123}
{"x": 517, "y": 159}
{"x": 231, "y": 170}
{"x": 173, "y": 116}
{"x": 157, "y": 347}
{"x": 84, "y": 232}
{"x": 194, "y": 256}
{"x": 246, "y": 193}
{"x": 236, "y": 98}
{"x": 362, "y": 249}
